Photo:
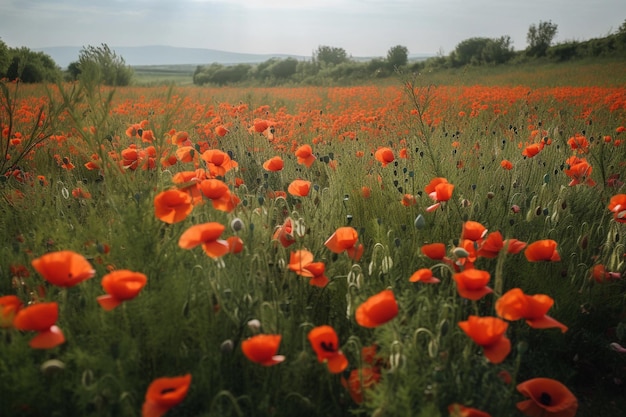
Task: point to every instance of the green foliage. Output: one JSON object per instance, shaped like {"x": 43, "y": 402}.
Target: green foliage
{"x": 540, "y": 37}
{"x": 398, "y": 56}
{"x": 5, "y": 58}
{"x": 102, "y": 65}
{"x": 31, "y": 67}
{"x": 330, "y": 55}
{"x": 480, "y": 51}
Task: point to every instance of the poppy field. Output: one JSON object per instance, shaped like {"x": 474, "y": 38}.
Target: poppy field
{"x": 408, "y": 249}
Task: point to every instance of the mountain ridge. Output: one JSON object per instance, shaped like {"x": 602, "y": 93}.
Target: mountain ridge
{"x": 176, "y": 55}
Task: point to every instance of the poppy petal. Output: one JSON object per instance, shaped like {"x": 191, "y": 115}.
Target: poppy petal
{"x": 47, "y": 339}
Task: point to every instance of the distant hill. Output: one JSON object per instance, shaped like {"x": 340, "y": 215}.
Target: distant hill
{"x": 172, "y": 55}
{"x": 164, "y": 55}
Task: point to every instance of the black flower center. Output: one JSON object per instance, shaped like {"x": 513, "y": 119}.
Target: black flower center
{"x": 545, "y": 398}
{"x": 328, "y": 347}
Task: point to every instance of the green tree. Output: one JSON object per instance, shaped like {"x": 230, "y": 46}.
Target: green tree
{"x": 31, "y": 67}
{"x": 102, "y": 65}
{"x": 398, "y": 56}
{"x": 284, "y": 68}
{"x": 330, "y": 55}
{"x": 540, "y": 37}
{"x": 5, "y": 58}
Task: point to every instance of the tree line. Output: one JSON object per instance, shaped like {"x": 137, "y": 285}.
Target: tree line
{"x": 328, "y": 65}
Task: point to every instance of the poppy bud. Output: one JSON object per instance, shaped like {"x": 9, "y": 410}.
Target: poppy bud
{"x": 227, "y": 346}
{"x": 254, "y": 325}
{"x": 236, "y": 224}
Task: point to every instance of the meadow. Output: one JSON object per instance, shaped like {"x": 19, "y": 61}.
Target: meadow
{"x": 427, "y": 247}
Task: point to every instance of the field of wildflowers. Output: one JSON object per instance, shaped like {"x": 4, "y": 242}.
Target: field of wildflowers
{"x": 401, "y": 250}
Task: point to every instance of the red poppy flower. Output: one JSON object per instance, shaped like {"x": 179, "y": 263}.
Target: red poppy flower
{"x": 305, "y": 155}
{"x": 384, "y": 155}
{"x": 221, "y": 130}
{"x": 9, "y": 306}
{"x": 473, "y": 231}
{"x": 284, "y": 233}
{"x": 617, "y": 205}
{"x": 235, "y": 244}
{"x": 218, "y": 162}
{"x": 488, "y": 333}
{"x": 514, "y": 246}
{"x": 41, "y": 318}
{"x": 213, "y": 189}
{"x": 458, "y": 410}
{"x": 435, "y": 251}
{"x": 207, "y": 235}
{"x": 345, "y": 239}
{"x": 274, "y": 164}
{"x": 359, "y": 381}
{"x": 472, "y": 283}
{"x": 506, "y": 164}
{"x": 299, "y": 188}
{"x": 547, "y": 398}
{"x": 424, "y": 275}
{"x": 227, "y": 202}
{"x": 325, "y": 343}
{"x": 172, "y": 206}
{"x": 260, "y": 126}
{"x": 579, "y": 170}
{"x": 439, "y": 190}
{"x": 165, "y": 393}
{"x": 120, "y": 285}
{"x": 515, "y": 305}
{"x": 542, "y": 250}
{"x": 301, "y": 262}
{"x": 377, "y": 310}
{"x": 491, "y": 246}
{"x": 64, "y": 268}
{"x": 532, "y": 150}
{"x": 262, "y": 349}
{"x": 578, "y": 143}
{"x": 408, "y": 200}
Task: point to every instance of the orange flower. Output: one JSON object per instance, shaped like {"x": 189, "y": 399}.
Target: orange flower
{"x": 472, "y": 283}
{"x": 235, "y": 244}
{"x": 64, "y": 268}
{"x": 488, "y": 333}
{"x": 408, "y": 200}
{"x": 165, "y": 393}
{"x": 218, "y": 162}
{"x": 213, "y": 188}
{"x": 366, "y": 192}
{"x": 40, "y": 318}
{"x": 532, "y": 150}
{"x": 424, "y": 275}
{"x": 207, "y": 235}
{"x": 515, "y": 305}
{"x": 262, "y": 349}
{"x": 547, "y": 398}
{"x": 578, "y": 142}
{"x": 617, "y": 205}
{"x": 226, "y": 202}
{"x": 301, "y": 262}
{"x": 284, "y": 233}
{"x": 325, "y": 343}
{"x": 9, "y": 306}
{"x": 542, "y": 250}
{"x": 384, "y": 155}
{"x": 506, "y": 164}
{"x": 305, "y": 155}
{"x": 439, "y": 190}
{"x": 345, "y": 239}
{"x": 172, "y": 206}
{"x": 260, "y": 126}
{"x": 120, "y": 285}
{"x": 186, "y": 154}
{"x": 579, "y": 170}
{"x": 491, "y": 246}
{"x": 473, "y": 231}
{"x": 436, "y": 251}
{"x": 274, "y": 164}
{"x": 221, "y": 130}
{"x": 360, "y": 380}
{"x": 377, "y": 310}
{"x": 458, "y": 410}
{"x": 299, "y": 188}
{"x": 514, "y": 246}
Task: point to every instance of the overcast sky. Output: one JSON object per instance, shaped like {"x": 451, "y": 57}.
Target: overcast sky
{"x": 361, "y": 27}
